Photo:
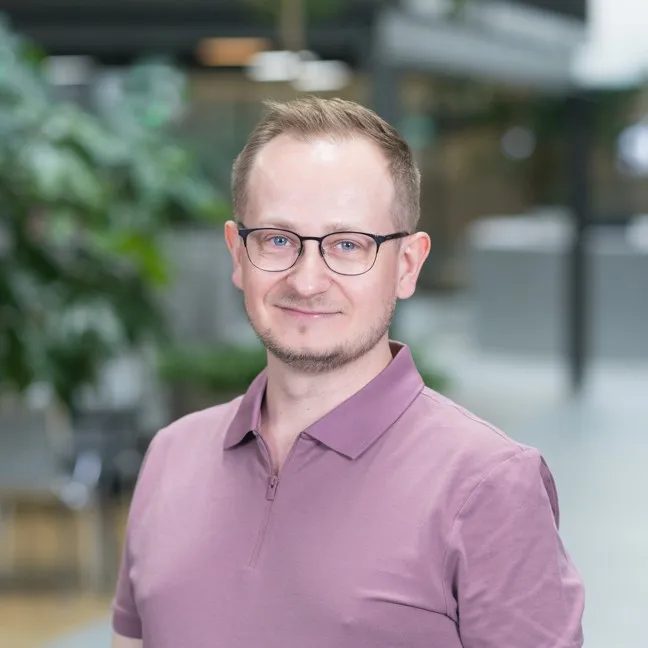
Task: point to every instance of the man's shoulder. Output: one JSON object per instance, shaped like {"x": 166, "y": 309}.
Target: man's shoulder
{"x": 457, "y": 451}
{"x": 178, "y": 452}
{"x": 460, "y": 438}
{"x": 206, "y": 425}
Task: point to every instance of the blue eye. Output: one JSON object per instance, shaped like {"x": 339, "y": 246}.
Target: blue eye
{"x": 348, "y": 246}
{"x": 279, "y": 241}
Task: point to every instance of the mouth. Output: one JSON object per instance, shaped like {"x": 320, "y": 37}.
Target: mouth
{"x": 311, "y": 314}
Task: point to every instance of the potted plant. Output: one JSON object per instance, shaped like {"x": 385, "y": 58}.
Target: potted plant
{"x": 85, "y": 199}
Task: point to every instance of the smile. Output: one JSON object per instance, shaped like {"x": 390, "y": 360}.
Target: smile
{"x": 298, "y": 312}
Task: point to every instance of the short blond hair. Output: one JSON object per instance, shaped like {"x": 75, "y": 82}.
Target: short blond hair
{"x": 312, "y": 117}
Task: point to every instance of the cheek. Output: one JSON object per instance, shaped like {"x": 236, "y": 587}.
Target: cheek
{"x": 257, "y": 288}
{"x": 371, "y": 295}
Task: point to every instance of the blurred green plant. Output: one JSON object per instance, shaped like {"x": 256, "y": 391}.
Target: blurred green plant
{"x": 83, "y": 200}
{"x": 215, "y": 370}
{"x": 435, "y": 379}
{"x": 458, "y": 7}
{"x": 225, "y": 371}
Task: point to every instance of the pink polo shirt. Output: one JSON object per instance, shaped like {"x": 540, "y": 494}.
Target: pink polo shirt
{"x": 398, "y": 520}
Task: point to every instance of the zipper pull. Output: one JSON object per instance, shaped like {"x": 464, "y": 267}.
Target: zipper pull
{"x": 272, "y": 487}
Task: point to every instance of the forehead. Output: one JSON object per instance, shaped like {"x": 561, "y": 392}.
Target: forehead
{"x": 320, "y": 183}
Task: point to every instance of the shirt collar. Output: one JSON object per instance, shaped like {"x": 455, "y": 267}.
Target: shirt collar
{"x": 356, "y": 423}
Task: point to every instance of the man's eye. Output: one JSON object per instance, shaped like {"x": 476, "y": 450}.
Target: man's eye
{"x": 347, "y": 246}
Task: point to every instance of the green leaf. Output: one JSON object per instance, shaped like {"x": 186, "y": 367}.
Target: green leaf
{"x": 58, "y": 175}
{"x": 84, "y": 200}
{"x": 72, "y": 128}
{"x": 145, "y": 255}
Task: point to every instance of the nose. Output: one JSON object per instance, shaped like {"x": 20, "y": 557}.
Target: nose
{"x": 310, "y": 275}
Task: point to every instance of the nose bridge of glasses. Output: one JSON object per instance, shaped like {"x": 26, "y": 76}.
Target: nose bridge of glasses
{"x": 310, "y": 273}
{"x": 312, "y": 263}
{"x": 316, "y": 239}
{"x": 317, "y": 245}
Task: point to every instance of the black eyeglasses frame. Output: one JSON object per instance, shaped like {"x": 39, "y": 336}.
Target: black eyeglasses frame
{"x": 244, "y": 232}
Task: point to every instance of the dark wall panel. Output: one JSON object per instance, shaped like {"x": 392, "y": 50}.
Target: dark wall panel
{"x": 574, "y": 8}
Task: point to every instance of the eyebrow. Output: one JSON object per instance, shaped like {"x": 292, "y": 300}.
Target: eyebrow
{"x": 336, "y": 226}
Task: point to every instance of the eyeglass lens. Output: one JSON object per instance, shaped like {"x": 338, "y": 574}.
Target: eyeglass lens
{"x": 344, "y": 252}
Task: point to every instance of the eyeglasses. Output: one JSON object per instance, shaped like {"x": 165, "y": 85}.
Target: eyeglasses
{"x": 345, "y": 253}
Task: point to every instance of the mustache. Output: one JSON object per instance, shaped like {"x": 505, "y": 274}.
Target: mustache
{"x": 299, "y": 303}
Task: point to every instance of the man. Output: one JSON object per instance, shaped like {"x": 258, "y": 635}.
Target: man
{"x": 339, "y": 503}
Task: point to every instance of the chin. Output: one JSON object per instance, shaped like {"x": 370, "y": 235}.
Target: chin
{"x": 311, "y": 359}
{"x": 312, "y": 346}
{"x": 318, "y": 356}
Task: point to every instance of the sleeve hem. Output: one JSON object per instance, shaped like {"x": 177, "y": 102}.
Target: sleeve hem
{"x": 126, "y": 625}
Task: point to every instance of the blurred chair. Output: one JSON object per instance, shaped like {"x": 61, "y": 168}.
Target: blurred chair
{"x": 113, "y": 436}
{"x": 40, "y": 469}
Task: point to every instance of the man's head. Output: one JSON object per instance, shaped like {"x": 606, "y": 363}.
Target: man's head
{"x": 314, "y": 167}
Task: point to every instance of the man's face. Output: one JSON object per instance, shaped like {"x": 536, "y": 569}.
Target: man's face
{"x": 308, "y": 316}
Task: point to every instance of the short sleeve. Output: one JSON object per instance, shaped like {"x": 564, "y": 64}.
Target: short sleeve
{"x": 126, "y": 618}
{"x": 510, "y": 580}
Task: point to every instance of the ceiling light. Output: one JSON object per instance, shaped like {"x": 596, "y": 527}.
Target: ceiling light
{"x": 322, "y": 76}
{"x": 274, "y": 66}
{"x": 232, "y": 52}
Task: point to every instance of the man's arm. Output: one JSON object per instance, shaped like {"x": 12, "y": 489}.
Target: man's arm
{"x": 126, "y": 619}
{"x": 125, "y": 642}
{"x": 511, "y": 581}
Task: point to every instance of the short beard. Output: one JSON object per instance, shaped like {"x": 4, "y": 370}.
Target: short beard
{"x": 327, "y": 361}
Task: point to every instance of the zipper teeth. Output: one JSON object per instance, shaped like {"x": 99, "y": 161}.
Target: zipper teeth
{"x": 261, "y": 535}
{"x": 266, "y": 518}
{"x": 273, "y": 476}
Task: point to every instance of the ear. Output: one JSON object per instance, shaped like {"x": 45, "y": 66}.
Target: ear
{"x": 235, "y": 246}
{"x": 414, "y": 252}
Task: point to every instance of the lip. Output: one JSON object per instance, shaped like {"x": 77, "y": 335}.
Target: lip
{"x": 297, "y": 312}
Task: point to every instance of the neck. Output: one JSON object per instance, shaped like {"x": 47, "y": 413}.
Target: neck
{"x": 293, "y": 400}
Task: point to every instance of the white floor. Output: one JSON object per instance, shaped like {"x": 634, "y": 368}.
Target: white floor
{"x": 98, "y": 635}
{"x": 596, "y": 446}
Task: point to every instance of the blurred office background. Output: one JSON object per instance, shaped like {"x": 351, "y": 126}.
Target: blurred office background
{"x": 119, "y": 121}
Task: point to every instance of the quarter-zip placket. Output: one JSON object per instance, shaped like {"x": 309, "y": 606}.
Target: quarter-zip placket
{"x": 271, "y": 493}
